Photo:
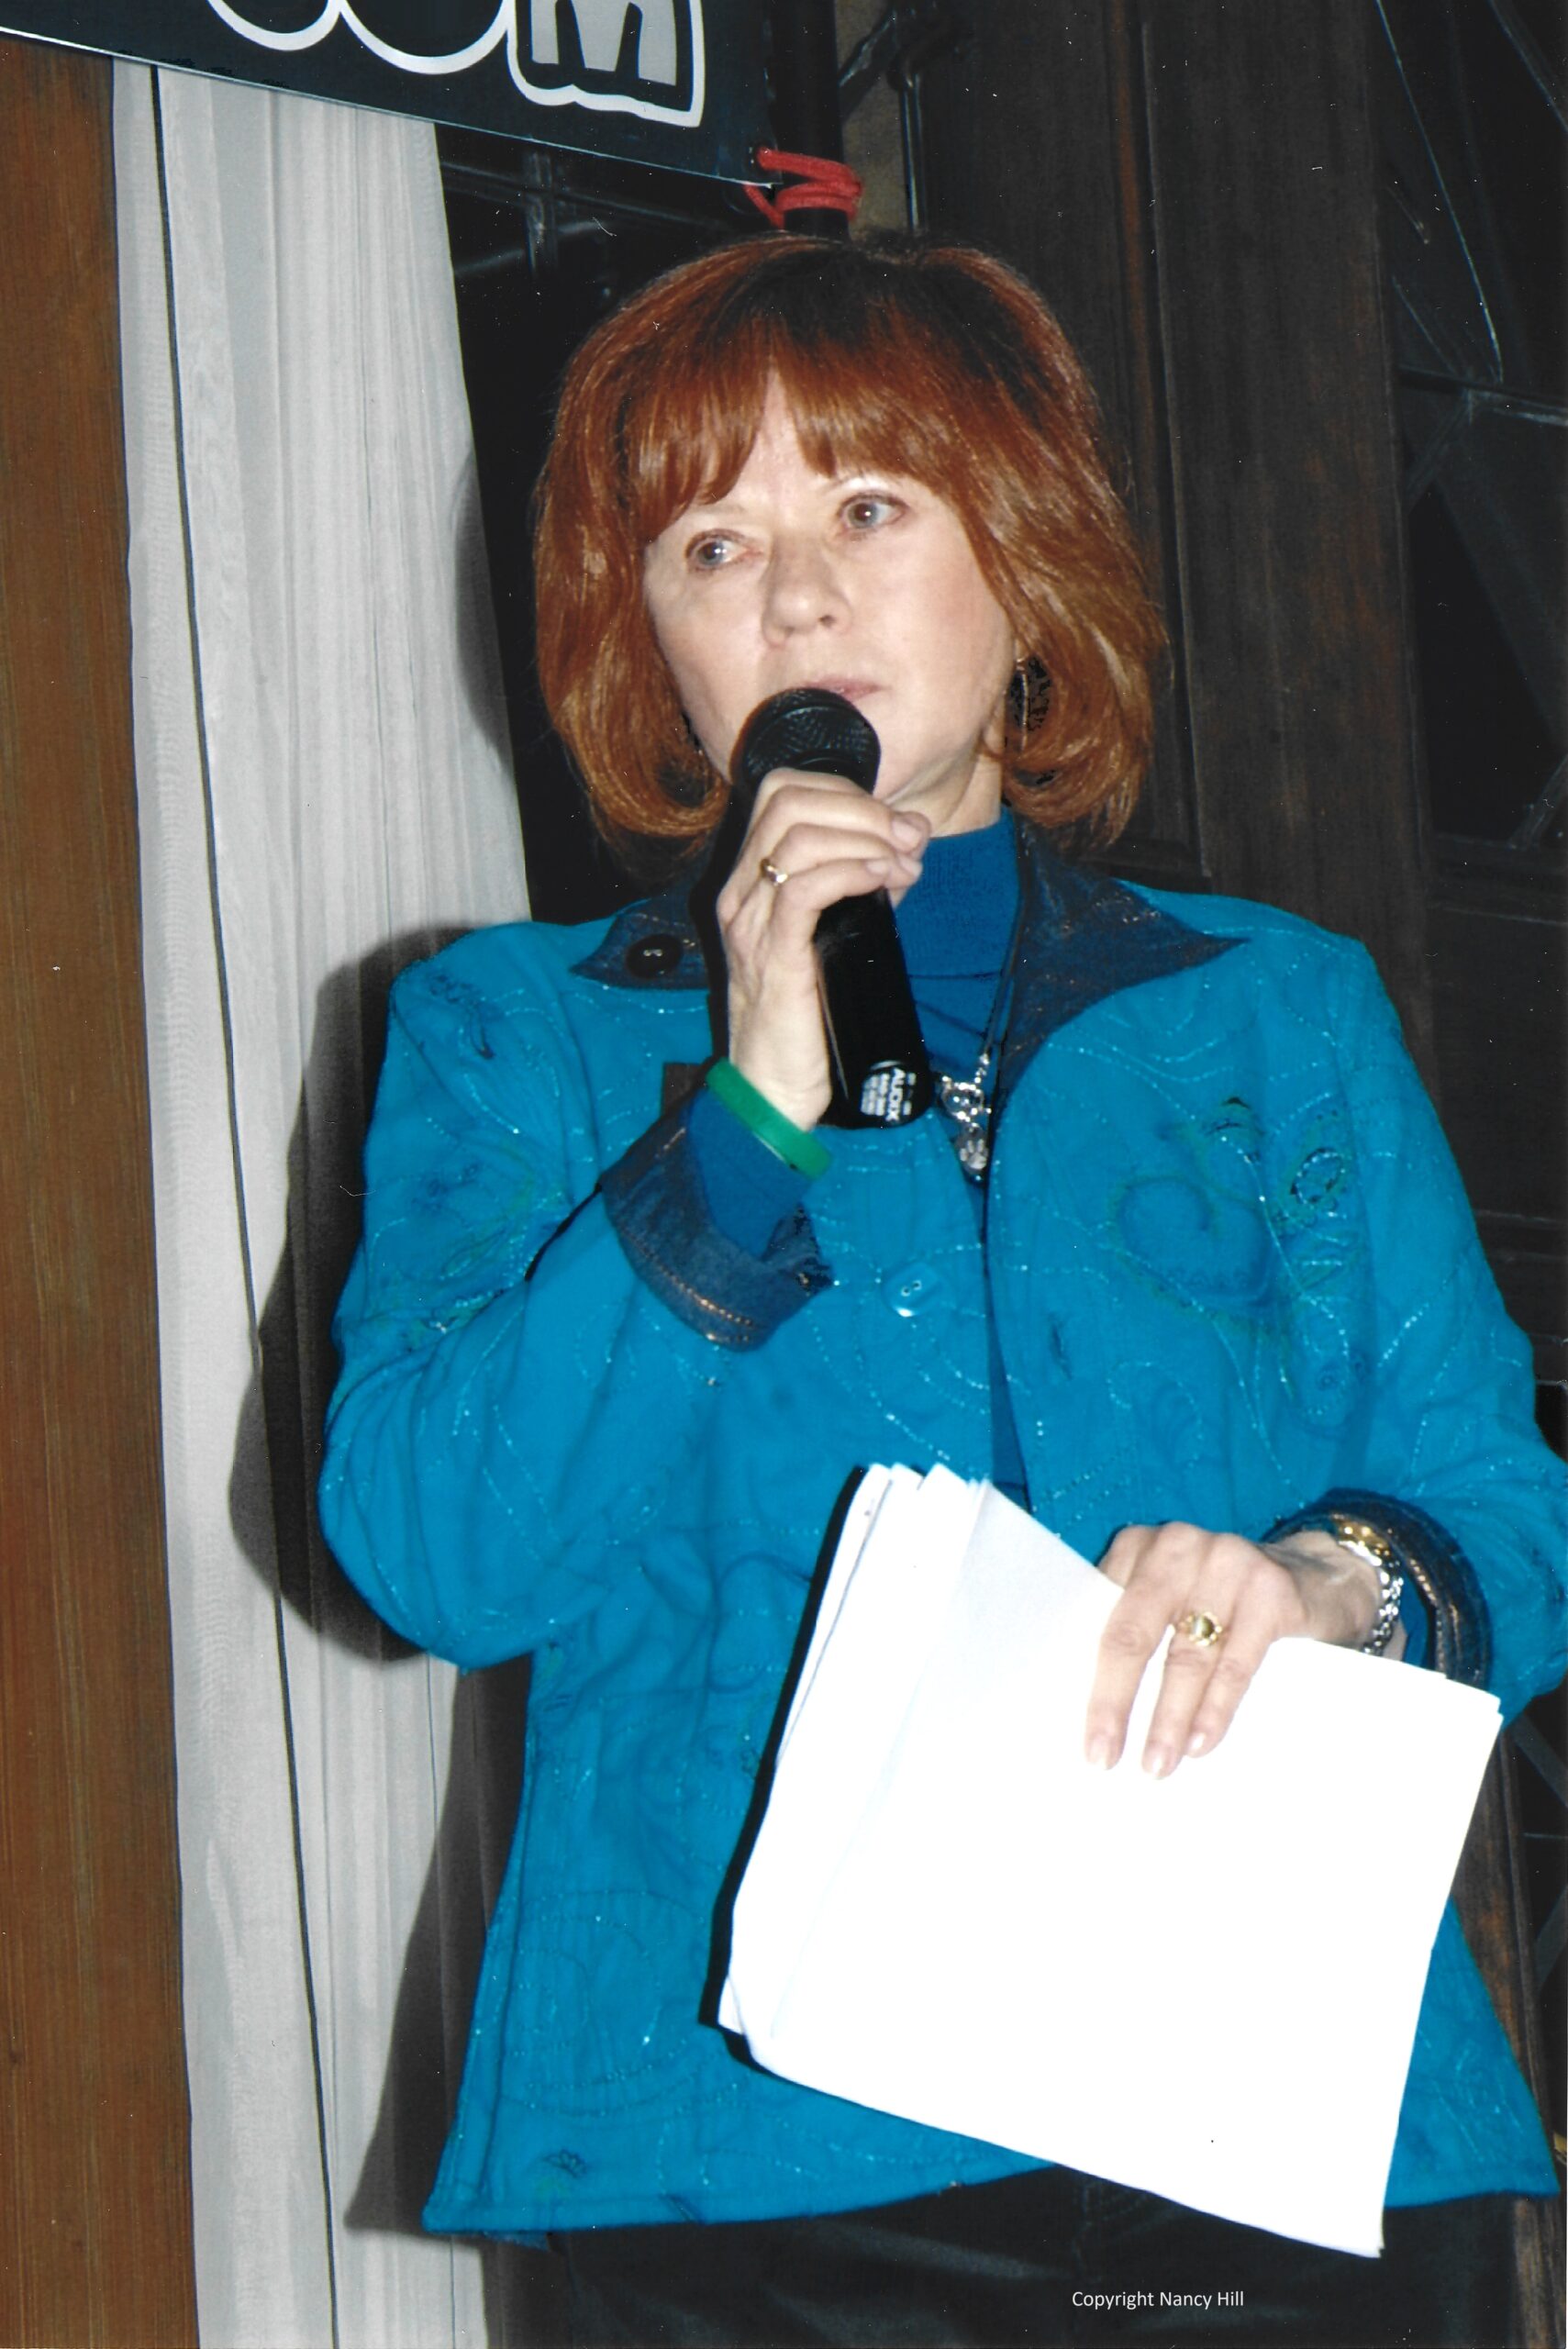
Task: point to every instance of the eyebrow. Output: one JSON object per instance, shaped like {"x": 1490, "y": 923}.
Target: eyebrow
{"x": 867, "y": 472}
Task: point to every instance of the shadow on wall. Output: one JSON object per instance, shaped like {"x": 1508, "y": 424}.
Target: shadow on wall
{"x": 277, "y": 1460}
{"x": 477, "y": 619}
{"x": 272, "y": 1497}
{"x": 278, "y": 1444}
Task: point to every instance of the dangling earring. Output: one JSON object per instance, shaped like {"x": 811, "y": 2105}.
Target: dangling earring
{"x": 1027, "y": 697}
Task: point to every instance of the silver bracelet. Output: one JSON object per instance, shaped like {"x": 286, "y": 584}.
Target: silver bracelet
{"x": 1365, "y": 1541}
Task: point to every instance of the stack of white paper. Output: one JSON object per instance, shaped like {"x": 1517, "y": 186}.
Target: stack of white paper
{"x": 1206, "y": 1986}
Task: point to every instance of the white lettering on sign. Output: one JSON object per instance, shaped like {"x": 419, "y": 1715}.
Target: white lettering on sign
{"x": 601, "y": 25}
{"x": 534, "y": 60}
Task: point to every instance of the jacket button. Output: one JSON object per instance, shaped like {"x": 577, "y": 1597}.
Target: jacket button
{"x": 912, "y": 1290}
{"x": 649, "y": 958}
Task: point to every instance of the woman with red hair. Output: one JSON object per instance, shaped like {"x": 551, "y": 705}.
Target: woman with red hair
{"x": 1177, "y": 1259}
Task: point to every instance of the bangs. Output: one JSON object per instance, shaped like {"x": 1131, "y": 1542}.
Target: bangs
{"x": 867, "y": 392}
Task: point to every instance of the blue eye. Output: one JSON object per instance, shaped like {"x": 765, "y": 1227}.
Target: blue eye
{"x": 868, "y": 512}
{"x": 708, "y": 554}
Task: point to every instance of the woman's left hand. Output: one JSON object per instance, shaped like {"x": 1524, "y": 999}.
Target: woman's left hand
{"x": 1306, "y": 1587}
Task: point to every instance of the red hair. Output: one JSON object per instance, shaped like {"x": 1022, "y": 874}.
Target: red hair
{"x": 934, "y": 361}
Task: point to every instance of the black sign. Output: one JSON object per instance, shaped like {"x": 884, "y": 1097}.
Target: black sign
{"x": 675, "y": 83}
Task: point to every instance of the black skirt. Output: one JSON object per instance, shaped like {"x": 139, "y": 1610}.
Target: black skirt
{"x": 1051, "y": 2256}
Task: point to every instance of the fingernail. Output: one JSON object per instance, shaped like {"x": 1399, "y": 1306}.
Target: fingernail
{"x": 1097, "y": 1752}
{"x": 1199, "y": 1742}
{"x": 1159, "y": 1761}
{"x": 907, "y": 831}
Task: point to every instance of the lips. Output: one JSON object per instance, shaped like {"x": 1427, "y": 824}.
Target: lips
{"x": 854, "y": 689}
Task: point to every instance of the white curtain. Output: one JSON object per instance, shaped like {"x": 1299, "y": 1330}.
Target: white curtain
{"x": 323, "y": 793}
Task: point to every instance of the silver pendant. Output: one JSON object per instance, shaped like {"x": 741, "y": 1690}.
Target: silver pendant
{"x": 974, "y": 1151}
{"x": 964, "y": 1098}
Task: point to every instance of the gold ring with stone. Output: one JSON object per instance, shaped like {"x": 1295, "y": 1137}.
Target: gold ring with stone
{"x": 771, "y": 872}
{"x": 1204, "y": 1631}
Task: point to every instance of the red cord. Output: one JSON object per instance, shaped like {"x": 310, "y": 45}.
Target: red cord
{"x": 821, "y": 186}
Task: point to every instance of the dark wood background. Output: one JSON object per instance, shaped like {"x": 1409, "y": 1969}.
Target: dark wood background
{"x": 95, "y": 2161}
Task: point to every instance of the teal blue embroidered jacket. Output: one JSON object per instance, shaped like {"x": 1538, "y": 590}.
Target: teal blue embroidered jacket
{"x": 1233, "y": 1270}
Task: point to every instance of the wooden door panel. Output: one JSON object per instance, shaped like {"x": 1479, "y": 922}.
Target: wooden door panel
{"x": 94, "y": 2239}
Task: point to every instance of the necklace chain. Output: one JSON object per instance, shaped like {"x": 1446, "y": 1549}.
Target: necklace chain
{"x": 966, "y": 1101}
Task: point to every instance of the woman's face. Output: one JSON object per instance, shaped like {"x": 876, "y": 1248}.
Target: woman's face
{"x": 862, "y": 583}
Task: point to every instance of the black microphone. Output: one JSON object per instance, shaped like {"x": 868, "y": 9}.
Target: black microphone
{"x": 880, "y": 1073}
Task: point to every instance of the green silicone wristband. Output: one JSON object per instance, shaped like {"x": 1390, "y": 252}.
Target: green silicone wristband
{"x": 773, "y": 1129}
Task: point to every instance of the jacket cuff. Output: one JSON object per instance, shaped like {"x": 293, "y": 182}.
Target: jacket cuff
{"x": 1458, "y": 1627}
{"x": 749, "y": 1190}
{"x": 659, "y": 1210}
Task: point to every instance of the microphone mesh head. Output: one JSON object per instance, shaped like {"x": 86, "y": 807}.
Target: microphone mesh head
{"x": 810, "y": 730}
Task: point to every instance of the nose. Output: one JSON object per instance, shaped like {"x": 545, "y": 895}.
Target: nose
{"x": 803, "y": 588}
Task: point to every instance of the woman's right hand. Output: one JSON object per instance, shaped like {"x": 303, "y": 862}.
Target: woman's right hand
{"x": 830, "y": 839}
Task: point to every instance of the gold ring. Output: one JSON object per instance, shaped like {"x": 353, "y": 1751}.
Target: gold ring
{"x": 1204, "y": 1631}
{"x": 771, "y": 872}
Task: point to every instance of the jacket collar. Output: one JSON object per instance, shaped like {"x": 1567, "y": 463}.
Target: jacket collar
{"x": 1084, "y": 937}
{"x": 651, "y": 945}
